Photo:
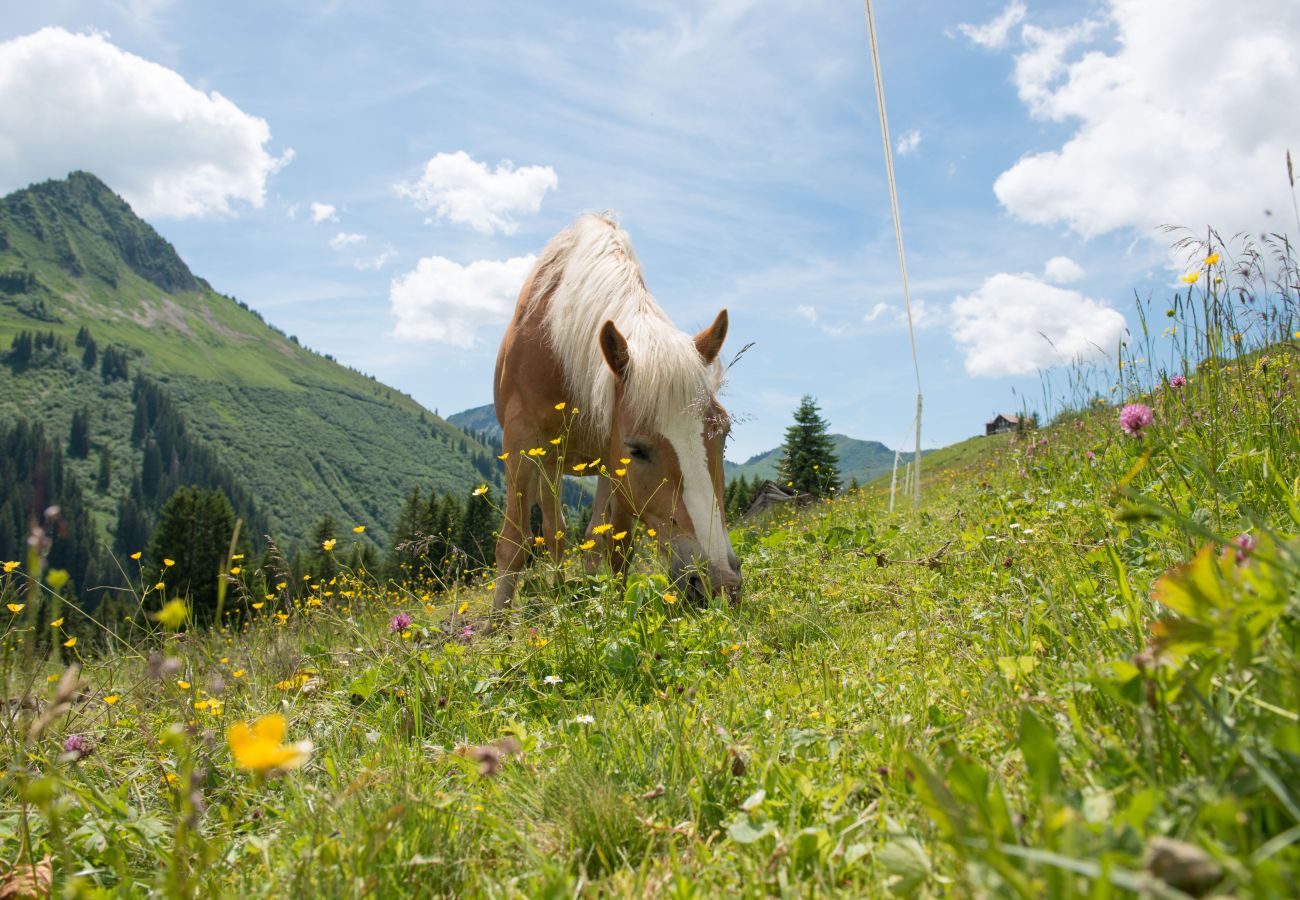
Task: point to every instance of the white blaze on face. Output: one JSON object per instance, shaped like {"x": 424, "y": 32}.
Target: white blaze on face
{"x": 686, "y": 435}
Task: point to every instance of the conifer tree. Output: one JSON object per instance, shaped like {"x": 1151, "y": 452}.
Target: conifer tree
{"x": 477, "y": 527}
{"x": 79, "y": 436}
{"x": 809, "y": 464}
{"x": 105, "y": 480}
{"x": 194, "y": 530}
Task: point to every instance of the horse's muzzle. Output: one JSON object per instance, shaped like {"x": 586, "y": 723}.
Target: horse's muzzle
{"x": 700, "y": 578}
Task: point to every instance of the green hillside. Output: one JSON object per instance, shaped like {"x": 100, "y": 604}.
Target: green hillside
{"x": 306, "y": 436}
{"x": 863, "y": 460}
{"x": 480, "y": 421}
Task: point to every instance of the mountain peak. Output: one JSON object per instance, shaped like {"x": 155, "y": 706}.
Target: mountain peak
{"x": 86, "y": 229}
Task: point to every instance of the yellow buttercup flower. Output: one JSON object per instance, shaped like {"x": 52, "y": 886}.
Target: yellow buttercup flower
{"x": 620, "y": 472}
{"x": 586, "y": 545}
{"x": 464, "y": 605}
{"x": 237, "y": 557}
{"x": 261, "y": 748}
{"x": 111, "y": 699}
{"x": 159, "y": 586}
{"x": 10, "y": 566}
{"x": 259, "y": 604}
{"x": 651, "y": 532}
{"x": 670, "y": 599}
{"x": 169, "y": 562}
{"x": 70, "y": 642}
{"x": 173, "y": 615}
{"x": 625, "y": 460}
{"x": 136, "y": 555}
{"x": 57, "y": 623}
{"x": 556, "y": 441}
{"x": 183, "y": 685}
{"x": 537, "y": 451}
{"x": 16, "y": 608}
{"x": 329, "y": 545}
{"x": 480, "y": 490}
{"x": 620, "y": 535}
{"x": 359, "y": 529}
{"x": 560, "y": 405}
{"x": 1191, "y": 277}
{"x": 235, "y": 570}
{"x": 1211, "y": 259}
{"x": 238, "y": 673}
{"x": 504, "y": 455}
{"x": 539, "y": 540}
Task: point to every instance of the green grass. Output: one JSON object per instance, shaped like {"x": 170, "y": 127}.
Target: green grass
{"x": 1021, "y": 690}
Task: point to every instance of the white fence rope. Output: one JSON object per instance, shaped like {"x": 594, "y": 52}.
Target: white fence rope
{"x": 898, "y": 234}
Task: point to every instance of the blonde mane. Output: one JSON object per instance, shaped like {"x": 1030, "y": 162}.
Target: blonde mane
{"x": 591, "y": 274}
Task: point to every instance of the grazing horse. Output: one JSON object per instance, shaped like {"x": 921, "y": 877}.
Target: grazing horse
{"x": 594, "y": 380}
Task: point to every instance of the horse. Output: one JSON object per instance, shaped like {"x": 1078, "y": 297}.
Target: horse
{"x": 593, "y": 380}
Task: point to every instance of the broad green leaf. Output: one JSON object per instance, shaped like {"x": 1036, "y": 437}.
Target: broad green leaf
{"x": 906, "y": 861}
{"x": 1038, "y": 745}
{"x": 742, "y": 831}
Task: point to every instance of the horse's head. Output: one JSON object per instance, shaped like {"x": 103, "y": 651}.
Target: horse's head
{"x": 670, "y": 462}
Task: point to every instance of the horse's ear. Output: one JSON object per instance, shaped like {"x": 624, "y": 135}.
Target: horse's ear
{"x": 614, "y": 346}
{"x": 709, "y": 341}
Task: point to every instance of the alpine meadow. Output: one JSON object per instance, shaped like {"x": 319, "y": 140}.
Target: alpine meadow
{"x": 271, "y": 626}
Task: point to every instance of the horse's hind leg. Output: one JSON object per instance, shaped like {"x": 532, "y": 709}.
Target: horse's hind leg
{"x": 512, "y": 544}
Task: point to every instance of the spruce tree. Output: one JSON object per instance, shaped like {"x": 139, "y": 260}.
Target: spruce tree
{"x": 477, "y": 528}
{"x": 194, "y": 530}
{"x": 105, "y": 480}
{"x": 809, "y": 464}
{"x": 79, "y": 436}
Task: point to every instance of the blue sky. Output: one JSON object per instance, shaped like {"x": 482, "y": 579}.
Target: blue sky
{"x": 373, "y": 177}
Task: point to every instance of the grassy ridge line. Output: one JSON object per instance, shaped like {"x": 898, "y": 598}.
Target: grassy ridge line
{"x": 904, "y": 704}
{"x": 265, "y": 403}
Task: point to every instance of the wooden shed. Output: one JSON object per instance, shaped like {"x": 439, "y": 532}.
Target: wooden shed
{"x": 1001, "y": 422}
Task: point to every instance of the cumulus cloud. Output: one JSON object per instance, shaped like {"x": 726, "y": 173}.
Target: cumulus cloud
{"x": 441, "y": 300}
{"x": 461, "y": 190}
{"x": 1062, "y": 270}
{"x": 1017, "y": 324}
{"x": 76, "y": 101}
{"x": 1181, "y": 123}
{"x": 908, "y": 142}
{"x": 808, "y": 312}
{"x": 345, "y": 239}
{"x": 993, "y": 35}
{"x": 323, "y": 212}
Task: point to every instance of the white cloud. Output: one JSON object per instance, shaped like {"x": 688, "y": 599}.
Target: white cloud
{"x": 463, "y": 191}
{"x": 344, "y": 239}
{"x": 808, "y": 312}
{"x": 923, "y": 314}
{"x": 1186, "y": 121}
{"x": 876, "y": 312}
{"x": 1062, "y": 270}
{"x": 323, "y": 212}
{"x": 441, "y": 300}
{"x": 1017, "y": 324}
{"x": 76, "y": 101}
{"x": 908, "y": 142}
{"x": 378, "y": 261}
{"x": 993, "y": 35}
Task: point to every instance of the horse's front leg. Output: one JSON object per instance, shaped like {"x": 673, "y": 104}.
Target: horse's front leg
{"x": 512, "y": 543}
{"x": 619, "y": 538}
